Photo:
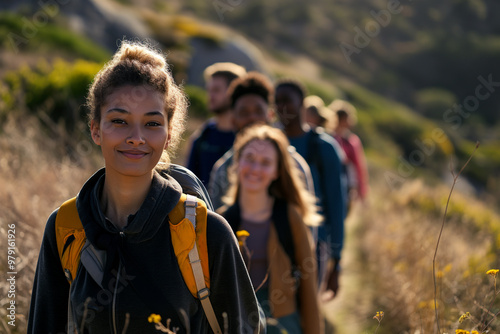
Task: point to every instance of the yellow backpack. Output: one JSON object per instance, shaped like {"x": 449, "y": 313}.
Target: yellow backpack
{"x": 188, "y": 227}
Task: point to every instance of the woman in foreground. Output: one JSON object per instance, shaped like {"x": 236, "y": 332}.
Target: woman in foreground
{"x": 137, "y": 113}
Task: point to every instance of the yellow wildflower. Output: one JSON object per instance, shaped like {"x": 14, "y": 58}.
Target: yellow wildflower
{"x": 242, "y": 236}
{"x": 156, "y": 318}
{"x": 461, "y": 331}
{"x": 474, "y": 332}
{"x": 463, "y": 317}
{"x": 492, "y": 272}
{"x": 379, "y": 315}
{"x": 242, "y": 233}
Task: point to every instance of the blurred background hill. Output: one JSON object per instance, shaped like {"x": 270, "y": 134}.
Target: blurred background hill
{"x": 422, "y": 75}
{"x": 408, "y": 66}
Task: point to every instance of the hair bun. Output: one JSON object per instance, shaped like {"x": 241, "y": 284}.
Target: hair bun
{"x": 137, "y": 51}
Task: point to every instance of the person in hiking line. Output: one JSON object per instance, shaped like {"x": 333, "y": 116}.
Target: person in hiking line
{"x": 317, "y": 115}
{"x": 357, "y": 171}
{"x": 126, "y": 209}
{"x": 268, "y": 199}
{"x": 251, "y": 98}
{"x": 324, "y": 156}
{"x": 216, "y": 136}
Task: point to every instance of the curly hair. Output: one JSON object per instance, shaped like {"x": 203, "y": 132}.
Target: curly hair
{"x": 252, "y": 83}
{"x": 139, "y": 64}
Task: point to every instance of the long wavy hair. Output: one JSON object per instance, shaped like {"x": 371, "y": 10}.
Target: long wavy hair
{"x": 288, "y": 186}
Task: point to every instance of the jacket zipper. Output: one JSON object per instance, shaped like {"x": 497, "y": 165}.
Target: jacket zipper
{"x": 115, "y": 331}
{"x": 114, "y": 298}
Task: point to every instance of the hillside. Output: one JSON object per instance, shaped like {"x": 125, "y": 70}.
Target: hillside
{"x": 391, "y": 130}
{"x": 438, "y": 62}
{"x": 396, "y": 48}
{"x": 394, "y": 82}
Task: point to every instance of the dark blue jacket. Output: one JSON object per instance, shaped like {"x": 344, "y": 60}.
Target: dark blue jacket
{"x": 324, "y": 156}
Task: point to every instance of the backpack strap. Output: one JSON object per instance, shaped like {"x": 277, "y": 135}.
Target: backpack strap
{"x": 70, "y": 237}
{"x": 282, "y": 225}
{"x": 73, "y": 246}
{"x": 189, "y": 238}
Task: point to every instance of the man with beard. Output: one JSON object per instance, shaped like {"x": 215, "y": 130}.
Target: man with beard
{"x": 216, "y": 136}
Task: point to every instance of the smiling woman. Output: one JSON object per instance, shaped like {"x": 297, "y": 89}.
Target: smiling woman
{"x": 132, "y": 135}
{"x": 126, "y": 212}
{"x": 268, "y": 199}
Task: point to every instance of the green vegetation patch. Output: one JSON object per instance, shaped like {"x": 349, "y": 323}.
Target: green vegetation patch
{"x": 24, "y": 34}
{"x": 57, "y": 90}
{"x": 197, "y": 101}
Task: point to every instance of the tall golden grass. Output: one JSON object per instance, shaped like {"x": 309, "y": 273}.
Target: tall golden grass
{"x": 36, "y": 176}
{"x": 389, "y": 257}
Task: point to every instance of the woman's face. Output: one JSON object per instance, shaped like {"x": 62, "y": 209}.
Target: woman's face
{"x": 258, "y": 166}
{"x": 133, "y": 131}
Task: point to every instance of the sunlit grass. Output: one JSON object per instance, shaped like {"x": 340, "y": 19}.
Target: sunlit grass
{"x": 36, "y": 176}
{"x": 388, "y": 261}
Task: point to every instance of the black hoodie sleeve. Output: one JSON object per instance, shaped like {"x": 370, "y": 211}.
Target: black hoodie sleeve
{"x": 230, "y": 286}
{"x": 49, "y": 299}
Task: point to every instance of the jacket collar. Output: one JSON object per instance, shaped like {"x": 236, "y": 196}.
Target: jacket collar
{"x": 162, "y": 197}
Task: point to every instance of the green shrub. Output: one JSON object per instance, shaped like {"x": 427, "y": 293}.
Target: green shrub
{"x": 433, "y": 102}
{"x": 45, "y": 38}
{"x": 56, "y": 90}
{"x": 197, "y": 101}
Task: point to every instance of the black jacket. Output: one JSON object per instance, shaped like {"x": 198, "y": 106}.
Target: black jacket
{"x": 142, "y": 275}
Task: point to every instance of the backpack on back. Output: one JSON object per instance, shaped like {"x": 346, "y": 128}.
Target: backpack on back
{"x": 188, "y": 224}
{"x": 189, "y": 182}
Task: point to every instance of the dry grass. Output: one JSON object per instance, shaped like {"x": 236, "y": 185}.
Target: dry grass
{"x": 36, "y": 176}
{"x": 389, "y": 255}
